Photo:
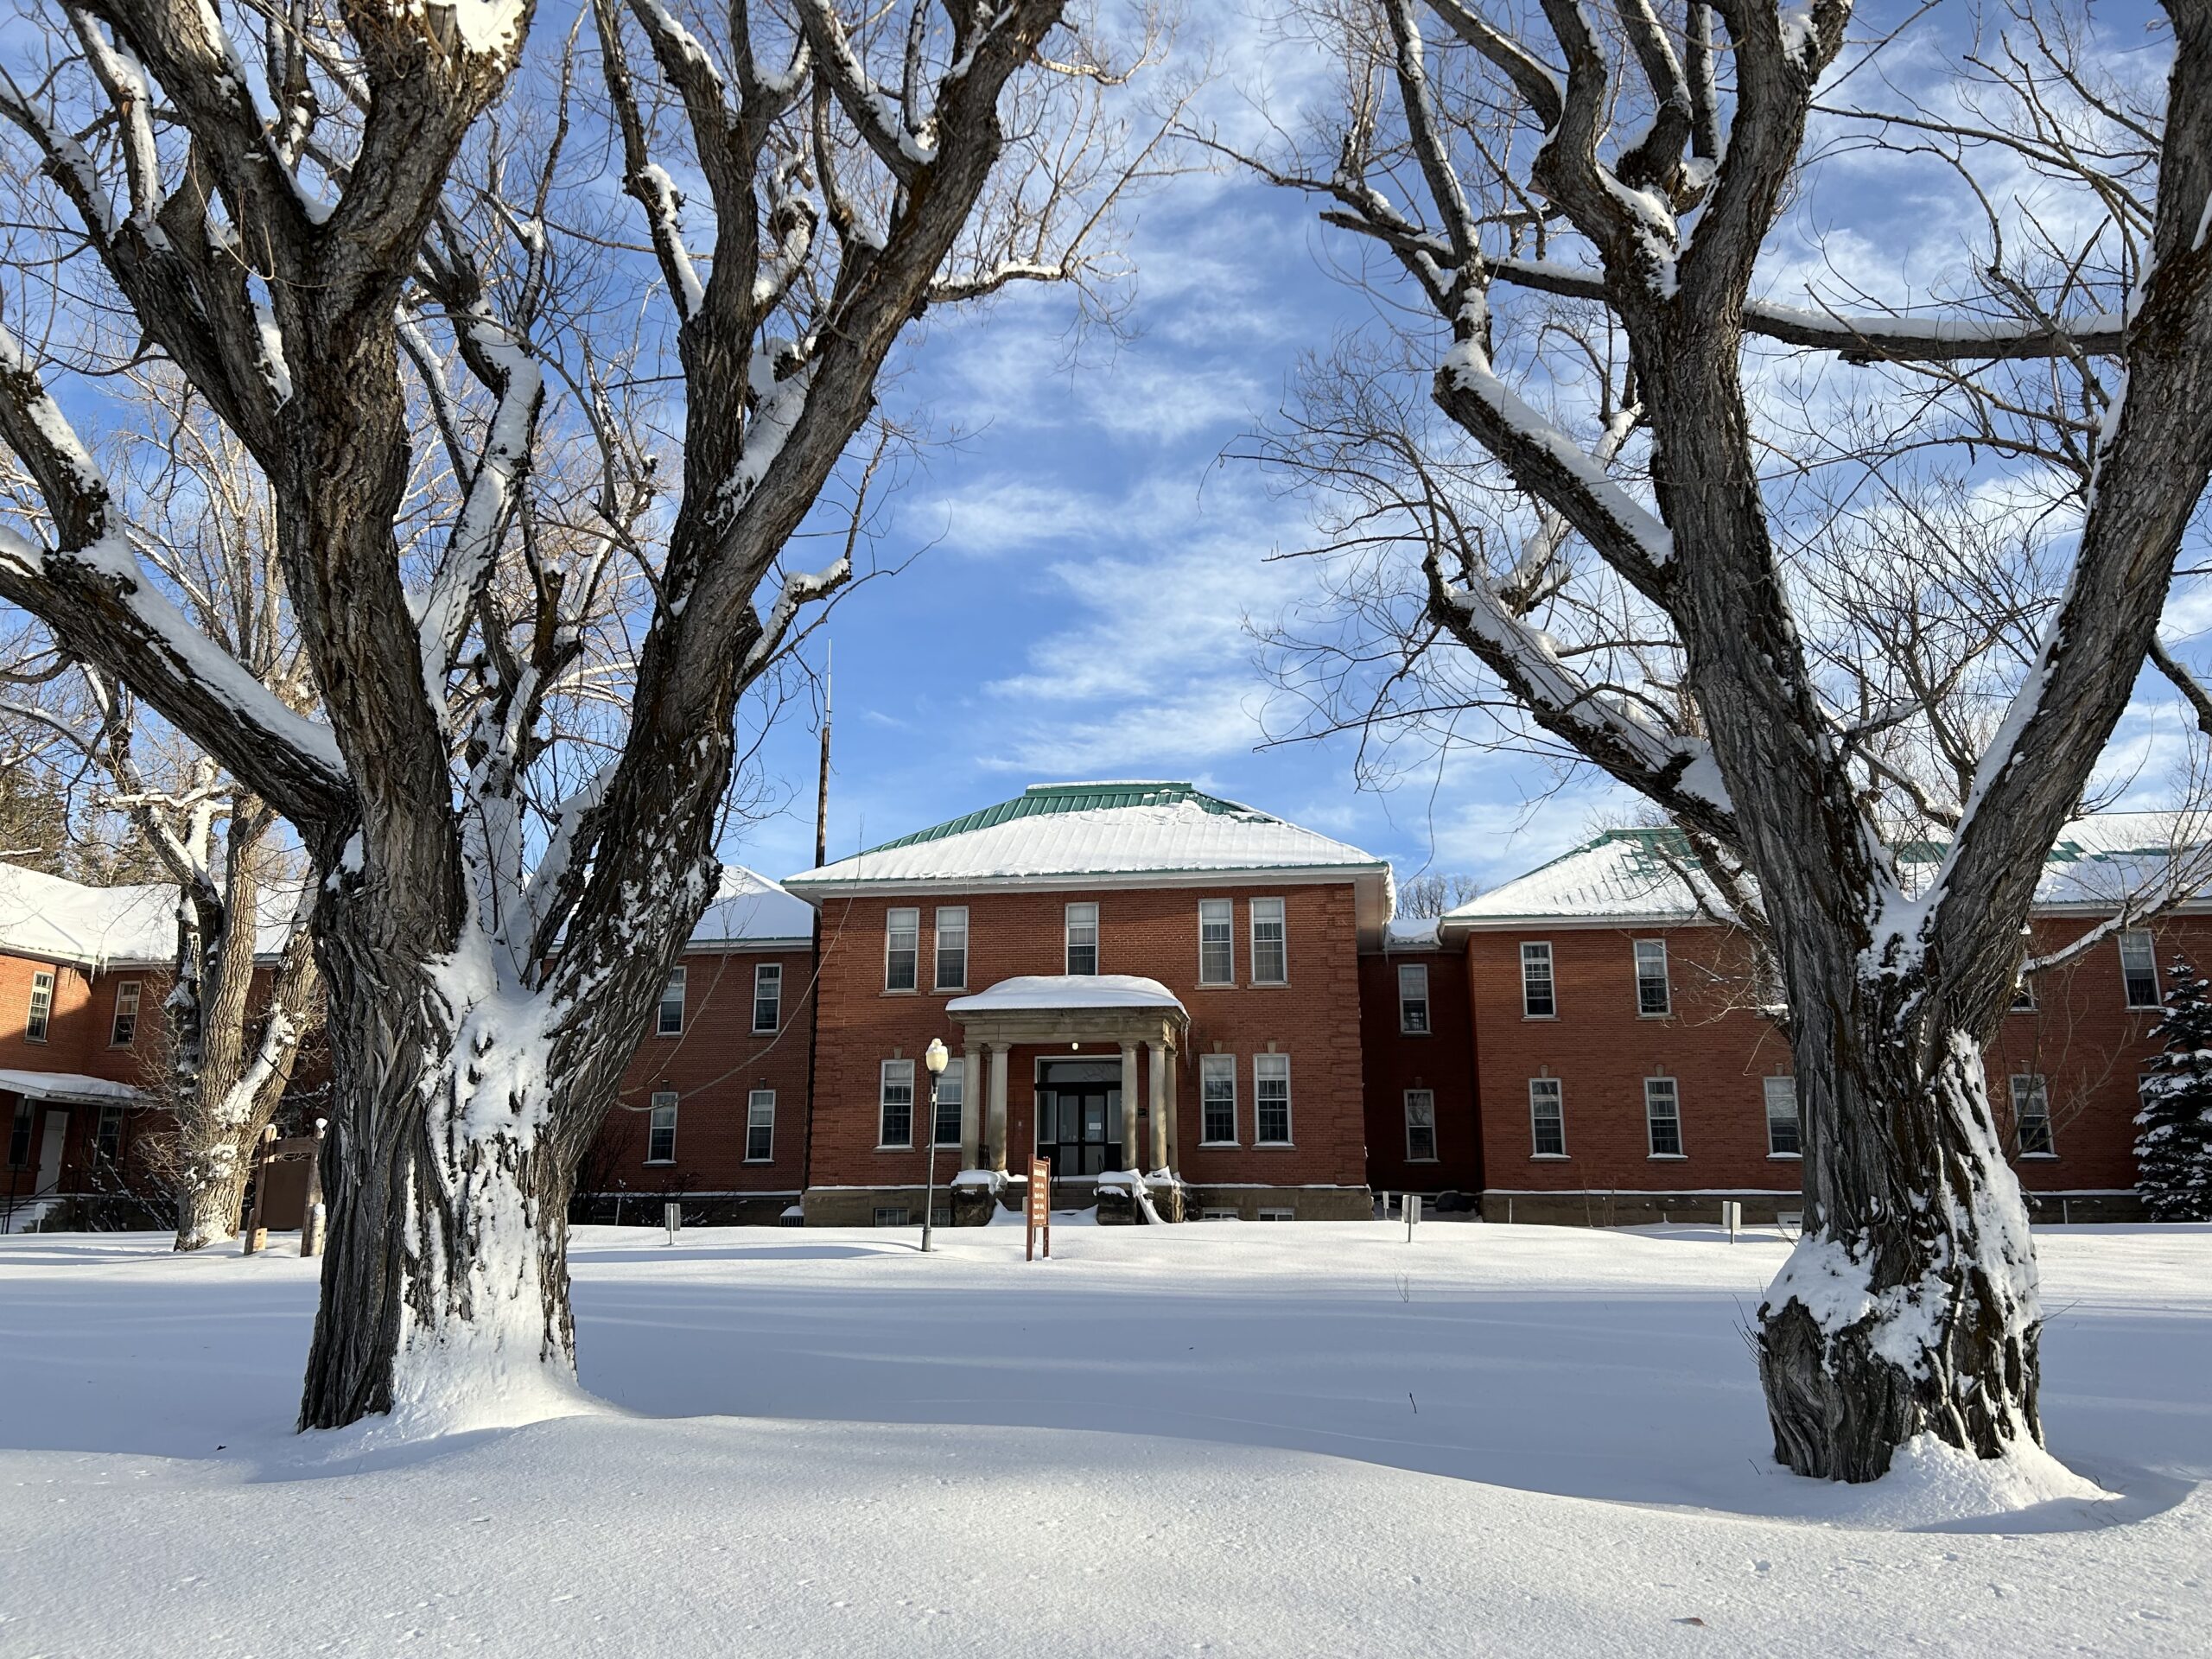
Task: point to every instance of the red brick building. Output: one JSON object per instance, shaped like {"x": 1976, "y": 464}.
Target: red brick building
{"x": 1629, "y": 1066}
{"x": 1130, "y": 977}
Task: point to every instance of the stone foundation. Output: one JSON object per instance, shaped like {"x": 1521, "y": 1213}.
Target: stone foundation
{"x": 1305, "y": 1203}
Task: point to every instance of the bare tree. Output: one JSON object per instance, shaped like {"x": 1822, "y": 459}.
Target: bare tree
{"x": 1608, "y": 546}
{"x": 496, "y": 913}
{"x": 1433, "y": 893}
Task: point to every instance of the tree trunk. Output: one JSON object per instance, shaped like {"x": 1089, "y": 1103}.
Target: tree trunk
{"x": 211, "y": 1192}
{"x": 445, "y": 1287}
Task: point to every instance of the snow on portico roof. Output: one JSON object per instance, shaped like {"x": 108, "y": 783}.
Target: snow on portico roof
{"x": 1051, "y": 993}
{"x": 69, "y": 1087}
{"x": 1107, "y": 830}
{"x": 1646, "y": 874}
{"x": 750, "y": 909}
{"x": 54, "y": 919}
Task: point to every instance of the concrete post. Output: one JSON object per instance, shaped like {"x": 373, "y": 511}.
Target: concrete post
{"x": 998, "y": 1107}
{"x": 1159, "y": 1104}
{"x": 1132, "y": 1153}
{"x": 971, "y": 1106}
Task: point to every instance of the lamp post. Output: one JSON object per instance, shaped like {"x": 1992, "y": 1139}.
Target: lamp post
{"x": 933, "y": 1056}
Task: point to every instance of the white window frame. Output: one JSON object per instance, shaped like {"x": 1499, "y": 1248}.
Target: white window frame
{"x": 1420, "y": 1114}
{"x": 904, "y": 1069}
{"x": 1770, "y": 1090}
{"x": 2037, "y": 1087}
{"x": 951, "y": 919}
{"x": 107, "y": 1132}
{"x": 126, "y": 1008}
{"x": 671, "y": 996}
{"x": 1408, "y": 1000}
{"x": 38, "y": 1019}
{"x": 1217, "y": 913}
{"x": 663, "y": 1101}
{"x": 1218, "y": 1212}
{"x": 2024, "y": 995}
{"x": 894, "y": 1215}
{"x": 1271, "y": 1068}
{"x": 955, "y": 1079}
{"x": 1643, "y": 976}
{"x": 1671, "y": 1091}
{"x": 1278, "y": 1212}
{"x": 2140, "y": 938}
{"x": 1069, "y": 923}
{"x": 911, "y": 949}
{"x": 1543, "y": 953}
{"x": 768, "y": 988}
{"x": 1555, "y": 1091}
{"x": 1282, "y": 943}
{"x": 1217, "y": 1069}
{"x": 761, "y": 1114}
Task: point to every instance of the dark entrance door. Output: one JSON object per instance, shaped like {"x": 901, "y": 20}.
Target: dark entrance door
{"x": 1079, "y": 1117}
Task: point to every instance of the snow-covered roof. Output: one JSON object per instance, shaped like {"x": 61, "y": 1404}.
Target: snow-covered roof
{"x": 68, "y": 1086}
{"x": 1051, "y": 993}
{"x": 1093, "y": 832}
{"x": 1647, "y": 875}
{"x": 53, "y": 918}
{"x": 751, "y": 910}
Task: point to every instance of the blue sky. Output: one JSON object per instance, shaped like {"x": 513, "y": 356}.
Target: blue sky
{"x": 1088, "y": 557}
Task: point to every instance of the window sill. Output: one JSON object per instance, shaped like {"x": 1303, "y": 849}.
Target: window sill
{"x": 668, "y": 1034}
{"x": 1785, "y": 1157}
{"x": 2039, "y": 1157}
{"x": 766, "y": 1031}
{"x": 908, "y": 1147}
{"x": 660, "y": 1163}
{"x": 1661, "y": 1017}
{"x": 889, "y": 990}
{"x": 760, "y": 1160}
{"x": 1539, "y": 1019}
{"x": 1408, "y": 1031}
{"x": 1550, "y": 1157}
{"x": 1274, "y": 1146}
{"x": 1666, "y": 1157}
{"x": 1423, "y": 1161}
{"x": 1219, "y": 1146}
{"x": 948, "y": 990}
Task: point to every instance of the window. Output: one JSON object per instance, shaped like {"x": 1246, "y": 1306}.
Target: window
{"x": 2138, "y": 969}
{"x": 891, "y": 1215}
{"x": 1216, "y": 1212}
{"x": 895, "y": 1122}
{"x": 952, "y": 949}
{"x": 1217, "y": 1099}
{"x": 2031, "y": 1117}
{"x": 1420, "y": 1126}
{"x": 1216, "y": 942}
{"x": 1413, "y": 997}
{"x": 1663, "y": 1116}
{"x": 761, "y": 1126}
{"x": 1270, "y": 948}
{"x": 1277, "y": 1212}
{"x": 2024, "y": 995}
{"x": 1651, "y": 999}
{"x": 1083, "y": 939}
{"x": 1537, "y": 1001}
{"x": 951, "y": 1095}
{"x": 41, "y": 1008}
{"x": 767, "y": 995}
{"x": 125, "y": 1031}
{"x": 1547, "y": 1118}
{"x": 1271, "y": 1099}
{"x": 107, "y": 1135}
{"x": 660, "y": 1129}
{"x": 669, "y": 1022}
{"x": 19, "y": 1134}
{"x": 902, "y": 937}
{"x": 1783, "y": 1140}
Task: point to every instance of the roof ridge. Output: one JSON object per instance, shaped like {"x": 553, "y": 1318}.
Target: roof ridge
{"x": 1042, "y": 799}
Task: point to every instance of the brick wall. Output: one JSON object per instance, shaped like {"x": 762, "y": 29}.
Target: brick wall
{"x": 712, "y": 1065}
{"x": 1442, "y": 1061}
{"x": 1314, "y": 1019}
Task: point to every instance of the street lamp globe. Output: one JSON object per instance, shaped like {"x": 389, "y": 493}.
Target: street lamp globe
{"x": 935, "y": 1057}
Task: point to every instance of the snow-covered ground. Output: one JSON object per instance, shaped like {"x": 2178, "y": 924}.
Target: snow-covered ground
{"x": 1215, "y": 1440}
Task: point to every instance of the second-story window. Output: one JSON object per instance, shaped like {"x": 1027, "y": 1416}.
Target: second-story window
{"x": 1216, "y": 942}
{"x": 1651, "y": 998}
{"x": 1413, "y": 997}
{"x": 902, "y": 948}
{"x": 952, "y": 949}
{"x": 1536, "y": 999}
{"x": 41, "y": 1008}
{"x": 125, "y": 1031}
{"x": 767, "y": 995}
{"x": 670, "y": 1021}
{"x": 1270, "y": 943}
{"x": 2139, "y": 969}
{"x": 1083, "y": 939}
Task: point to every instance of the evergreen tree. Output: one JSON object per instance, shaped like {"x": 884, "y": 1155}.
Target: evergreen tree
{"x": 2173, "y": 1144}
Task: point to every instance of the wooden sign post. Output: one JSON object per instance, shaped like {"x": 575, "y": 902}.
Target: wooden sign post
{"x": 1040, "y": 1206}
{"x": 268, "y": 1153}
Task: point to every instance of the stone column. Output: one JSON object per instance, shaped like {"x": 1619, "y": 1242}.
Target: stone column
{"x": 1174, "y": 1120}
{"x": 998, "y": 1107}
{"x": 1158, "y": 1105}
{"x": 971, "y": 1106}
{"x": 1132, "y": 1154}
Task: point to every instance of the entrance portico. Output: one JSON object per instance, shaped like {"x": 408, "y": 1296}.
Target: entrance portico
{"x": 1092, "y": 1019}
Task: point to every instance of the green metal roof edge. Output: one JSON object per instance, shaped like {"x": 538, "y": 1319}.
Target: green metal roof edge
{"x": 809, "y": 879}
{"x": 1041, "y": 800}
